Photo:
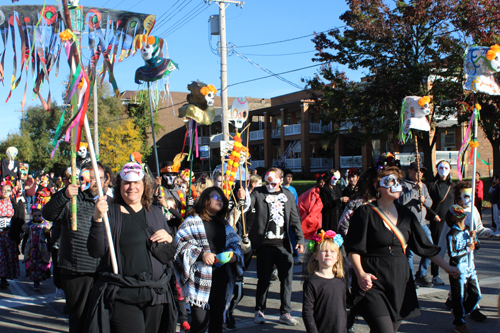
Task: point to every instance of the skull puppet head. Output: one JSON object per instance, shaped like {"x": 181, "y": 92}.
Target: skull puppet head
{"x": 150, "y": 49}
{"x": 481, "y": 63}
{"x": 73, "y": 2}
{"x": 416, "y": 109}
{"x": 209, "y": 93}
{"x": 239, "y": 111}
{"x": 11, "y": 153}
{"x": 82, "y": 152}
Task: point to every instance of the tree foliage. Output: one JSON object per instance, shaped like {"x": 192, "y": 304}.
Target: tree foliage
{"x": 405, "y": 47}
{"x": 117, "y": 142}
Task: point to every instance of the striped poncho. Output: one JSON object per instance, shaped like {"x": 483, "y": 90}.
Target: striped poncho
{"x": 195, "y": 277}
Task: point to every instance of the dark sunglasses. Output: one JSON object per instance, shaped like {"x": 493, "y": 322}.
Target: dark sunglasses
{"x": 216, "y": 197}
{"x": 37, "y": 215}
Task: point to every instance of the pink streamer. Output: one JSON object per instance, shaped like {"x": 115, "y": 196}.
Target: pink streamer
{"x": 54, "y": 151}
{"x": 196, "y": 138}
{"x": 73, "y": 124}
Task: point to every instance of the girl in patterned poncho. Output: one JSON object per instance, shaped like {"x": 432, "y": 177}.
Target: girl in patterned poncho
{"x": 36, "y": 253}
{"x": 208, "y": 257}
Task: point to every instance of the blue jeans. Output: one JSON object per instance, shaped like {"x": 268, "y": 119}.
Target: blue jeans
{"x": 424, "y": 262}
{"x": 31, "y": 202}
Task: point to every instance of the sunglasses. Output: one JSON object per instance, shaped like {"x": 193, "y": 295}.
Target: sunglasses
{"x": 37, "y": 215}
{"x": 217, "y": 197}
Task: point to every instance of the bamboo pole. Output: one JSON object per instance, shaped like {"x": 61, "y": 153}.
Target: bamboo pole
{"x": 418, "y": 170}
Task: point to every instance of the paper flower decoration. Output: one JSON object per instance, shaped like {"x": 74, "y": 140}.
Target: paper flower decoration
{"x": 322, "y": 235}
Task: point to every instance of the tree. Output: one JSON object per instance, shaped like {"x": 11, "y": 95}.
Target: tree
{"x": 406, "y": 49}
{"x": 117, "y": 142}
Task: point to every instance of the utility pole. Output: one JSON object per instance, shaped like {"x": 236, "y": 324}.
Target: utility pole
{"x": 223, "y": 62}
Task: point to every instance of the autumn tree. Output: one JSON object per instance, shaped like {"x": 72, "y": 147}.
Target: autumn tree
{"x": 404, "y": 47}
{"x": 479, "y": 21}
{"x": 117, "y": 142}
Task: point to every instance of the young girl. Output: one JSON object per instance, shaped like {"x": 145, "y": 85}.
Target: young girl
{"x": 36, "y": 253}
{"x": 324, "y": 303}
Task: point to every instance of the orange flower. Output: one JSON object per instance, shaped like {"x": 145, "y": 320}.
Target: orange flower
{"x": 474, "y": 144}
{"x": 424, "y": 100}
{"x": 80, "y": 85}
{"x": 478, "y": 107}
{"x": 66, "y": 35}
{"x": 493, "y": 52}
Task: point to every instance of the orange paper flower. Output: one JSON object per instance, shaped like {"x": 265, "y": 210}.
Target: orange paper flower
{"x": 474, "y": 144}
{"x": 424, "y": 100}
{"x": 492, "y": 53}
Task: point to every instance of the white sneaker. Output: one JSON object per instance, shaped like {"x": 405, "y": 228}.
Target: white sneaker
{"x": 497, "y": 234}
{"x": 259, "y": 317}
{"x": 59, "y": 294}
{"x": 287, "y": 319}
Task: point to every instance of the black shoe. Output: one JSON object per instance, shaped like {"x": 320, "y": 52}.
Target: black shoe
{"x": 477, "y": 316}
{"x": 421, "y": 280}
{"x": 448, "y": 303}
{"x": 230, "y": 322}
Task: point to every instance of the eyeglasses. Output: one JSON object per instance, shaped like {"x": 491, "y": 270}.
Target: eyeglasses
{"x": 217, "y": 197}
{"x": 37, "y": 215}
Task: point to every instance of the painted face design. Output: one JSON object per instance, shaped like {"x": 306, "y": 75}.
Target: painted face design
{"x": 466, "y": 196}
{"x": 443, "y": 169}
{"x": 84, "y": 179}
{"x": 132, "y": 172}
{"x": 390, "y": 181}
{"x": 335, "y": 178}
{"x": 169, "y": 178}
{"x": 210, "y": 98}
{"x": 82, "y": 152}
{"x": 273, "y": 180}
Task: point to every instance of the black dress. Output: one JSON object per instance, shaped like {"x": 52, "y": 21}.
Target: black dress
{"x": 382, "y": 255}
{"x": 324, "y": 305}
{"x": 330, "y": 197}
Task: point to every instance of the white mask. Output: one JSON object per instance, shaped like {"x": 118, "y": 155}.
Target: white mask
{"x": 272, "y": 178}
{"x": 466, "y": 196}
{"x": 335, "y": 178}
{"x": 443, "y": 169}
{"x": 390, "y": 181}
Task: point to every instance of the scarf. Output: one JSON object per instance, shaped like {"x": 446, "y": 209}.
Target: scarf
{"x": 195, "y": 277}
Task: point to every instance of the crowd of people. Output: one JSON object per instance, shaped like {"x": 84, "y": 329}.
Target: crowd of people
{"x": 172, "y": 249}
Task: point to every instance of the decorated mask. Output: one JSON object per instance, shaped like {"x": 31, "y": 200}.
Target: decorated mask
{"x": 335, "y": 178}
{"x": 132, "y": 172}
{"x": 184, "y": 187}
{"x": 155, "y": 67}
{"x": 413, "y": 116}
{"x": 466, "y": 196}
{"x": 6, "y": 191}
{"x": 185, "y": 176}
{"x": 169, "y": 178}
{"x": 82, "y": 152}
{"x": 11, "y": 153}
{"x": 273, "y": 181}
{"x": 443, "y": 169}
{"x": 209, "y": 93}
{"x": 84, "y": 178}
{"x": 239, "y": 111}
{"x": 200, "y": 103}
{"x": 481, "y": 63}
{"x": 44, "y": 181}
{"x": 390, "y": 181}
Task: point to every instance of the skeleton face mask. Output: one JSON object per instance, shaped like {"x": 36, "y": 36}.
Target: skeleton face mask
{"x": 82, "y": 152}
{"x": 11, "y": 153}
{"x": 443, "y": 169}
{"x": 169, "y": 179}
{"x": 335, "y": 178}
{"x": 273, "y": 181}
{"x": 466, "y": 197}
{"x": 390, "y": 181}
{"x": 210, "y": 98}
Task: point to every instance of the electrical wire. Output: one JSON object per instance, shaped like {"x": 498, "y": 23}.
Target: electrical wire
{"x": 287, "y": 40}
{"x": 277, "y": 55}
{"x": 185, "y": 19}
{"x": 173, "y": 14}
{"x": 135, "y": 5}
{"x": 266, "y": 77}
{"x": 266, "y": 70}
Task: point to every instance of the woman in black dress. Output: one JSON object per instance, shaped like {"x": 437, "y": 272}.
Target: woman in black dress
{"x": 330, "y": 195}
{"x": 383, "y": 287}
{"x": 441, "y": 192}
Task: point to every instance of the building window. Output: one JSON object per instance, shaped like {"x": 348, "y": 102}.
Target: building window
{"x": 312, "y": 117}
{"x": 278, "y": 122}
{"x": 448, "y": 140}
{"x": 289, "y": 120}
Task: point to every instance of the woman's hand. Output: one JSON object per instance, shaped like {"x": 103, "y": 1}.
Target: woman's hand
{"x": 161, "y": 236}
{"x": 208, "y": 258}
{"x": 437, "y": 218}
{"x": 365, "y": 281}
{"x": 101, "y": 208}
{"x": 344, "y": 199}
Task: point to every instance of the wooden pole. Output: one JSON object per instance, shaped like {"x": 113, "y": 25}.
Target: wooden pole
{"x": 418, "y": 170}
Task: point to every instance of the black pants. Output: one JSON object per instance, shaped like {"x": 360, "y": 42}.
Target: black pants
{"x": 77, "y": 287}
{"x": 212, "y": 318}
{"x": 267, "y": 257}
{"x": 436, "y": 229}
{"x": 140, "y": 318}
{"x": 382, "y": 324}
{"x": 55, "y": 268}
{"x": 465, "y": 295}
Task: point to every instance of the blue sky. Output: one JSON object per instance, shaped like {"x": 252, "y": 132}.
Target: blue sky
{"x": 190, "y": 47}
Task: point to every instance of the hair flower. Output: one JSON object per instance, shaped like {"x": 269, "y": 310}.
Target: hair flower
{"x": 322, "y": 235}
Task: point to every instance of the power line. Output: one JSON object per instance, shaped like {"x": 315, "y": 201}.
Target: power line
{"x": 172, "y": 15}
{"x": 277, "y": 55}
{"x": 265, "y": 77}
{"x": 185, "y": 19}
{"x": 288, "y": 40}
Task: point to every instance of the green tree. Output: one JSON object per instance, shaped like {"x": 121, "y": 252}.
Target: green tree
{"x": 406, "y": 48}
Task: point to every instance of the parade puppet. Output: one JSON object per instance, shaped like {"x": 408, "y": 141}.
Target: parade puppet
{"x": 481, "y": 65}
{"x": 82, "y": 156}
{"x": 189, "y": 182}
{"x": 10, "y": 167}
{"x": 200, "y": 103}
{"x": 414, "y": 112}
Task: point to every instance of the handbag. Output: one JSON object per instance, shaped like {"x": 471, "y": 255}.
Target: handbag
{"x": 163, "y": 251}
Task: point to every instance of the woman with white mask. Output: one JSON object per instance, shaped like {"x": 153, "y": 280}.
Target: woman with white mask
{"x": 441, "y": 191}
{"x": 330, "y": 195}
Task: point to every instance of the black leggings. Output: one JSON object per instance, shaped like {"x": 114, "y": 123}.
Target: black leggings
{"x": 138, "y": 318}
{"x": 212, "y": 318}
{"x": 382, "y": 324}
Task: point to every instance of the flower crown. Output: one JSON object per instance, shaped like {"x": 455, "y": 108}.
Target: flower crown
{"x": 322, "y": 235}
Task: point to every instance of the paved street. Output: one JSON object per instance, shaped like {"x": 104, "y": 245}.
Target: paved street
{"x": 24, "y": 310}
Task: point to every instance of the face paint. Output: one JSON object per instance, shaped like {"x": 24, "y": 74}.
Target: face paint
{"x": 466, "y": 196}
{"x": 390, "y": 181}
{"x": 273, "y": 181}
{"x": 169, "y": 178}
{"x": 335, "y": 178}
{"x": 443, "y": 169}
